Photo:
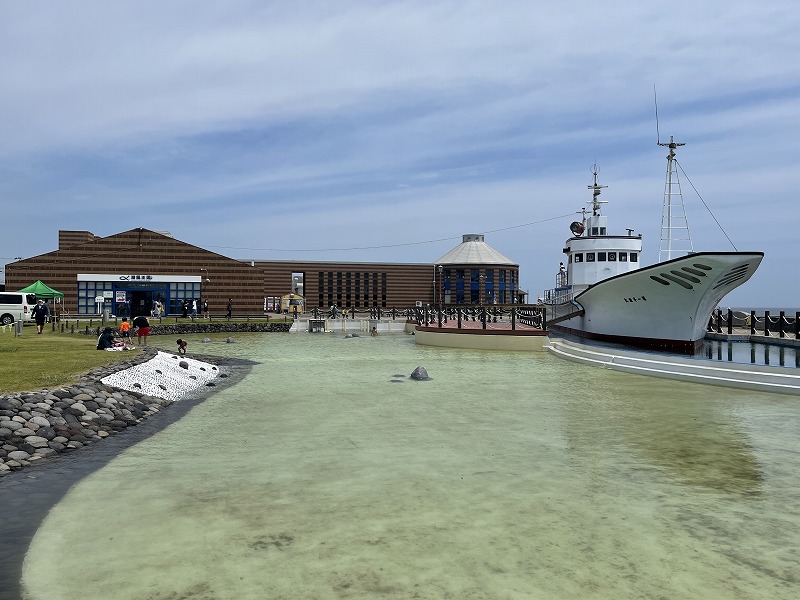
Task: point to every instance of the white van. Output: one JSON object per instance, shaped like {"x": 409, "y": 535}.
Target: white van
{"x": 16, "y": 306}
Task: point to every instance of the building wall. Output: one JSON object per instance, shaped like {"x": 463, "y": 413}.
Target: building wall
{"x": 142, "y": 252}
{"x": 398, "y": 285}
{"x": 73, "y": 238}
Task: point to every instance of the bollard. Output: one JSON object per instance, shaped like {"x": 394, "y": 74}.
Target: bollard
{"x": 752, "y": 322}
{"x": 766, "y": 323}
{"x": 781, "y": 321}
{"x": 513, "y": 319}
{"x": 730, "y": 321}
{"x": 483, "y": 316}
{"x": 797, "y": 330}
{"x": 719, "y": 320}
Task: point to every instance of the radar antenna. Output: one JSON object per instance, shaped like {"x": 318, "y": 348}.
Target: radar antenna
{"x": 596, "y": 187}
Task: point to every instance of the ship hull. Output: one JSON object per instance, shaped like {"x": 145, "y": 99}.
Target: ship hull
{"x": 665, "y": 306}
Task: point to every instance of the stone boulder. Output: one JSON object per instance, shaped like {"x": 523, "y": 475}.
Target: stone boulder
{"x": 420, "y": 374}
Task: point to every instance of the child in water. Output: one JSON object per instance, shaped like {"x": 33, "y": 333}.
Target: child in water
{"x": 181, "y": 347}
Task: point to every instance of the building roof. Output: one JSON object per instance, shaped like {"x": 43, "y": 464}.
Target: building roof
{"x": 474, "y": 251}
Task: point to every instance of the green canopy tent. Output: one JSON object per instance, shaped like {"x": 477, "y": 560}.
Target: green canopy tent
{"x": 42, "y": 290}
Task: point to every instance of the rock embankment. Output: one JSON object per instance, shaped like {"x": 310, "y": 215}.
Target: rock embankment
{"x": 36, "y": 425}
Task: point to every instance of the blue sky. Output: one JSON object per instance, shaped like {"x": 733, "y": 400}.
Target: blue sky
{"x": 383, "y": 131}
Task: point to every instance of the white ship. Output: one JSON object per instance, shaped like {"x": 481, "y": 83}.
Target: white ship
{"x": 603, "y": 293}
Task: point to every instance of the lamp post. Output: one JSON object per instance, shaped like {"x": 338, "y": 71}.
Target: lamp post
{"x": 481, "y": 291}
{"x": 434, "y": 284}
{"x": 441, "y": 284}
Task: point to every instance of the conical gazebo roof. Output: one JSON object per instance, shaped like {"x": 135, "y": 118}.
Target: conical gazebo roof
{"x": 473, "y": 250}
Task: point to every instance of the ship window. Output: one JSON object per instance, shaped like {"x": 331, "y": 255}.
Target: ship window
{"x": 601, "y": 257}
{"x": 612, "y": 257}
{"x": 634, "y": 257}
{"x": 590, "y": 257}
{"x": 579, "y": 257}
{"x": 602, "y": 231}
{"x": 569, "y": 261}
{"x": 594, "y": 230}
{"x": 623, "y": 257}
{"x": 702, "y": 266}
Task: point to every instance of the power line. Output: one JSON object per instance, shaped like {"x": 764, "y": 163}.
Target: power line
{"x": 387, "y": 245}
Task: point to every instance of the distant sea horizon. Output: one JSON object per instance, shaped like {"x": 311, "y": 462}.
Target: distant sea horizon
{"x": 760, "y": 310}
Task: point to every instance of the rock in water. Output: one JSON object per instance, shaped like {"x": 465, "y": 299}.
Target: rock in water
{"x": 229, "y": 340}
{"x": 420, "y": 374}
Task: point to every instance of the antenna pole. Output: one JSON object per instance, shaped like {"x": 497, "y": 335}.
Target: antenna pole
{"x": 655, "y": 100}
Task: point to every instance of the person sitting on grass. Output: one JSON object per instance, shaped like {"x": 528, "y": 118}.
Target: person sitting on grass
{"x": 106, "y": 339}
{"x": 182, "y": 347}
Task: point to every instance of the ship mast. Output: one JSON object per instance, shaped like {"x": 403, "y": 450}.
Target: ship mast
{"x": 596, "y": 188}
{"x": 675, "y": 236}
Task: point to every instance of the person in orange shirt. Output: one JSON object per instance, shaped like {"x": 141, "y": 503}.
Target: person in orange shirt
{"x": 125, "y": 331}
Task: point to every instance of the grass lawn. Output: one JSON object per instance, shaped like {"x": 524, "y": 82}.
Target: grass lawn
{"x": 31, "y": 361}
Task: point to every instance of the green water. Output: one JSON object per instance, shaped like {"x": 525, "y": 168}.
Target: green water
{"x": 508, "y": 475}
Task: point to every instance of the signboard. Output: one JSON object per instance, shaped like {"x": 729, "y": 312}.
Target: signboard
{"x": 139, "y": 278}
{"x": 120, "y": 296}
{"x": 108, "y": 294}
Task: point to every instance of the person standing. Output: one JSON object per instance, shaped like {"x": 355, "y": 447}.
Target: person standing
{"x": 193, "y": 314}
{"x": 229, "y": 306}
{"x": 142, "y": 328}
{"x": 185, "y": 308}
{"x": 205, "y": 309}
{"x": 125, "y": 331}
{"x": 40, "y": 313}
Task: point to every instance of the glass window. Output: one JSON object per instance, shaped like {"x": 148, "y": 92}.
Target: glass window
{"x": 602, "y": 231}
{"x": 590, "y": 257}
{"x": 601, "y": 257}
{"x": 634, "y": 257}
{"x": 578, "y": 257}
{"x": 623, "y": 257}
{"x": 612, "y": 257}
{"x": 594, "y": 231}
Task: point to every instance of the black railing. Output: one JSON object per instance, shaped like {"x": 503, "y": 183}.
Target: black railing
{"x": 531, "y": 316}
{"x": 730, "y": 320}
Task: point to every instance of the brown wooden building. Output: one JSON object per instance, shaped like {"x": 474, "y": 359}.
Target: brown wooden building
{"x": 128, "y": 272}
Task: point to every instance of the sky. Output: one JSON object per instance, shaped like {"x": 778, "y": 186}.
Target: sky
{"x": 383, "y": 131}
